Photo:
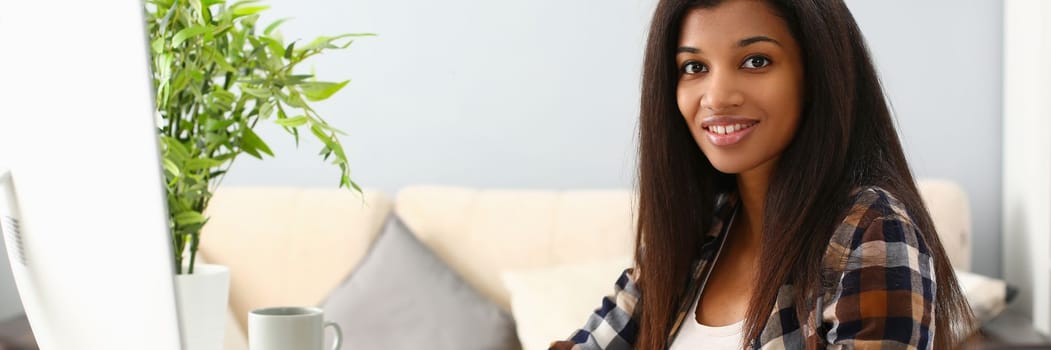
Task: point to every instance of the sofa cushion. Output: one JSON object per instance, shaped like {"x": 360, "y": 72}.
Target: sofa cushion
{"x": 402, "y": 296}
{"x": 986, "y": 295}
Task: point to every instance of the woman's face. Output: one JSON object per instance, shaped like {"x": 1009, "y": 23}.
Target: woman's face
{"x": 740, "y": 84}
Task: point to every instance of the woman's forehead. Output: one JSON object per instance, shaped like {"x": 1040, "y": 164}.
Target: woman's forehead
{"x": 724, "y": 25}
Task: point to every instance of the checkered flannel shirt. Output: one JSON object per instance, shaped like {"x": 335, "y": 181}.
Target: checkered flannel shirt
{"x": 878, "y": 293}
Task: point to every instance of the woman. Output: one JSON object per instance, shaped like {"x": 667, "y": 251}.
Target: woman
{"x": 776, "y": 206}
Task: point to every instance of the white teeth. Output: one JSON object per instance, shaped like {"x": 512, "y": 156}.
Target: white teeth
{"x": 727, "y": 129}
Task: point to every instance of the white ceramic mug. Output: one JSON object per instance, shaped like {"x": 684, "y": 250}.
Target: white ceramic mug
{"x": 289, "y": 328}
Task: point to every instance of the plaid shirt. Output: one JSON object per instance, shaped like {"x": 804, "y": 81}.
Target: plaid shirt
{"x": 878, "y": 292}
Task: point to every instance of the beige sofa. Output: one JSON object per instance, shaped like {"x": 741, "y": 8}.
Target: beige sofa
{"x": 292, "y": 246}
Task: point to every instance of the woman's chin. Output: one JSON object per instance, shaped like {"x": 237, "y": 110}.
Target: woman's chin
{"x": 738, "y": 165}
{"x": 730, "y": 166}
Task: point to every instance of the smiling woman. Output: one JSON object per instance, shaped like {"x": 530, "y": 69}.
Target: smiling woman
{"x": 776, "y": 206}
{"x": 743, "y": 52}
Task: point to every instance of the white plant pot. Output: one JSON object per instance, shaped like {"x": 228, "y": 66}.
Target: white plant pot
{"x": 202, "y": 301}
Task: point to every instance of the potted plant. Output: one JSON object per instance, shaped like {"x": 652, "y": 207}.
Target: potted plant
{"x": 217, "y": 75}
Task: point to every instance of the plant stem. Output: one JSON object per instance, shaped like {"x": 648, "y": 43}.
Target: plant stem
{"x": 178, "y": 254}
{"x": 194, "y": 239}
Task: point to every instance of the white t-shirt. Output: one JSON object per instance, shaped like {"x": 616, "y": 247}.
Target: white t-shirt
{"x": 694, "y": 335}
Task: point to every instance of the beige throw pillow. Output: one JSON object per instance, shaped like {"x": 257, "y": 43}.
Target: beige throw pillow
{"x": 987, "y": 295}
{"x": 551, "y": 303}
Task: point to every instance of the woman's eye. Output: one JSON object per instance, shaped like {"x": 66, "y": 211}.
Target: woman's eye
{"x": 755, "y": 62}
{"x": 693, "y": 67}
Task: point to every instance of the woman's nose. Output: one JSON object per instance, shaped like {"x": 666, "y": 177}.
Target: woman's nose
{"x": 721, "y": 92}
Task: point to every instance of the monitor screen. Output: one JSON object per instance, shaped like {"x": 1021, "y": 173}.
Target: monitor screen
{"x": 87, "y": 232}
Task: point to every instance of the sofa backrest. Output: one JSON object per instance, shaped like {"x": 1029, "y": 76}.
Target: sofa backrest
{"x": 288, "y": 246}
{"x": 951, "y": 211}
{"x": 480, "y": 233}
{"x": 292, "y": 246}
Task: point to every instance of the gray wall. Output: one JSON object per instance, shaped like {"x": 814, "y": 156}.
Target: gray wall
{"x": 483, "y": 93}
{"x": 941, "y": 63}
{"x": 544, "y": 94}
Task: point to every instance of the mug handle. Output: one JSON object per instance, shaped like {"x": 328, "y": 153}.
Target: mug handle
{"x": 338, "y": 342}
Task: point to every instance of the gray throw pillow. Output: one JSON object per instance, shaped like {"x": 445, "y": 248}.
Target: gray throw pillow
{"x": 402, "y": 296}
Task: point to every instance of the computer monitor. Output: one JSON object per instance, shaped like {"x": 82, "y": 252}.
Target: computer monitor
{"x": 85, "y": 219}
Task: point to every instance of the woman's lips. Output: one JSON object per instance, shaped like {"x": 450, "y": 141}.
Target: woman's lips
{"x": 728, "y": 131}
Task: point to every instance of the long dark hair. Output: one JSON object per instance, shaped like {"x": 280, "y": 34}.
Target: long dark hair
{"x": 846, "y": 139}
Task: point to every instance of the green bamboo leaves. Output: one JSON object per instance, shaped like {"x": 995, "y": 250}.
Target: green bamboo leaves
{"x": 217, "y": 75}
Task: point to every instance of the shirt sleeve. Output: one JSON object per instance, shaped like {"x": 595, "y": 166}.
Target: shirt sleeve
{"x": 614, "y": 325}
{"x": 883, "y": 288}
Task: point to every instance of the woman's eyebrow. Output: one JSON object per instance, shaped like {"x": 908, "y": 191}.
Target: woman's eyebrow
{"x": 687, "y": 49}
{"x": 755, "y": 39}
{"x": 741, "y": 43}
